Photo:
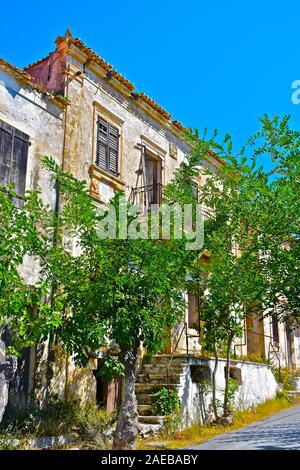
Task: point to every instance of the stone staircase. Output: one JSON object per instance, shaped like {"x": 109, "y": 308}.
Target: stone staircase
{"x": 152, "y": 378}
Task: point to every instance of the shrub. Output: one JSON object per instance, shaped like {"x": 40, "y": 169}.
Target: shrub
{"x": 90, "y": 424}
{"x": 165, "y": 402}
{"x": 285, "y": 377}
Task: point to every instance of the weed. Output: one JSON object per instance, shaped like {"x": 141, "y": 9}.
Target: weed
{"x": 165, "y": 402}
{"x": 90, "y": 425}
{"x": 198, "y": 433}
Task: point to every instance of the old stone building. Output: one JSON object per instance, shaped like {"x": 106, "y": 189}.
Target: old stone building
{"x": 75, "y": 107}
{"x": 31, "y": 126}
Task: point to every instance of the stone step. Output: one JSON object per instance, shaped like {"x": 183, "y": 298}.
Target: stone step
{"x": 161, "y": 368}
{"x": 149, "y": 430}
{"x": 144, "y": 398}
{"x": 152, "y": 388}
{"x": 158, "y": 378}
{"x": 165, "y": 360}
{"x": 152, "y": 420}
{"x": 145, "y": 410}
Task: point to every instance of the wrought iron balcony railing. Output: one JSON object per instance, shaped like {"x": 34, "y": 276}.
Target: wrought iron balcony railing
{"x": 145, "y": 196}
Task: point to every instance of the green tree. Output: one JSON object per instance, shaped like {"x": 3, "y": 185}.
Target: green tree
{"x": 232, "y": 283}
{"x": 279, "y": 223}
{"x": 24, "y": 308}
{"x": 122, "y": 290}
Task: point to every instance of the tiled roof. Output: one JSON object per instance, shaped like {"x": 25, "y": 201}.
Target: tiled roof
{"x": 90, "y": 53}
{"x": 92, "y": 56}
{"x": 154, "y": 105}
{"x": 29, "y": 81}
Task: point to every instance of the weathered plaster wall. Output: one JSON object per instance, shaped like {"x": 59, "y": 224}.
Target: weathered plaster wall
{"x": 258, "y": 385}
{"x": 91, "y": 96}
{"x": 33, "y": 114}
{"x": 30, "y": 112}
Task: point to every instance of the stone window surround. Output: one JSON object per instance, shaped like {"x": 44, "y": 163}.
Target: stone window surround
{"x": 97, "y": 174}
{"x": 23, "y": 128}
{"x": 20, "y": 126}
{"x": 155, "y": 151}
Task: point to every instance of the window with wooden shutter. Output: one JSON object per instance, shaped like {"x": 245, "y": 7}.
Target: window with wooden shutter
{"x": 13, "y": 159}
{"x": 107, "y": 146}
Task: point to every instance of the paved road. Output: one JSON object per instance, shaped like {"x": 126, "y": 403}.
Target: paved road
{"x": 279, "y": 431}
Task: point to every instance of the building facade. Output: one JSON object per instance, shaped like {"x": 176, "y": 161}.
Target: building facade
{"x": 31, "y": 126}
{"x": 75, "y": 107}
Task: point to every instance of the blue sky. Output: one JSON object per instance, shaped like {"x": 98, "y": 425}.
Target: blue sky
{"x": 214, "y": 64}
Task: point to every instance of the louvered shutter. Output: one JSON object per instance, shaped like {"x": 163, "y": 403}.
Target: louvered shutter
{"x": 6, "y": 140}
{"x": 113, "y": 149}
{"x": 102, "y": 157}
{"x": 13, "y": 159}
{"x": 107, "y": 146}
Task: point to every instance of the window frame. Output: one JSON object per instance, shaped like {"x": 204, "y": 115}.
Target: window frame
{"x": 112, "y": 131}
{"x": 20, "y": 161}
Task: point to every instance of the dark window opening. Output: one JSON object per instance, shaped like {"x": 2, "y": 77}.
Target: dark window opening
{"x": 13, "y": 160}
{"x": 200, "y": 373}
{"x": 101, "y": 391}
{"x": 275, "y": 330}
{"x": 234, "y": 373}
{"x": 107, "y": 146}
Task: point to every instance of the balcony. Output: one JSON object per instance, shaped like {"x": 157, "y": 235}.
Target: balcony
{"x": 145, "y": 196}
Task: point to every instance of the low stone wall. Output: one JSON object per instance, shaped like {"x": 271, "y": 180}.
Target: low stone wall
{"x": 256, "y": 385}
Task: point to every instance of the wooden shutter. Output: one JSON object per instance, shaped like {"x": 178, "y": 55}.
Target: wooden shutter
{"x": 13, "y": 159}
{"x": 113, "y": 149}
{"x": 6, "y": 141}
{"x": 102, "y": 144}
{"x": 107, "y": 146}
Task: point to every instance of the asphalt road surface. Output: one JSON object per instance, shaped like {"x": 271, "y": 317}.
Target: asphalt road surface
{"x": 279, "y": 431}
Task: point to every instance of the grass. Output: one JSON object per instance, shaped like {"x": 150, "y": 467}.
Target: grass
{"x": 88, "y": 425}
{"x": 200, "y": 433}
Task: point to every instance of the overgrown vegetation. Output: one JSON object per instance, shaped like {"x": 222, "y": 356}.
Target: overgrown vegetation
{"x": 90, "y": 426}
{"x": 285, "y": 376}
{"x": 165, "y": 402}
{"x": 255, "y": 357}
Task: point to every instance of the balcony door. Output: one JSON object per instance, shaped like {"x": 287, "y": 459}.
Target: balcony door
{"x": 153, "y": 178}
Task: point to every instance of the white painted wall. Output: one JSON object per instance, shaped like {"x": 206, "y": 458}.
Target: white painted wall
{"x": 258, "y": 385}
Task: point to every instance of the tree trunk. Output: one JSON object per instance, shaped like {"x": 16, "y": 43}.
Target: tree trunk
{"x": 226, "y": 409}
{"x": 214, "y": 398}
{"x": 127, "y": 425}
